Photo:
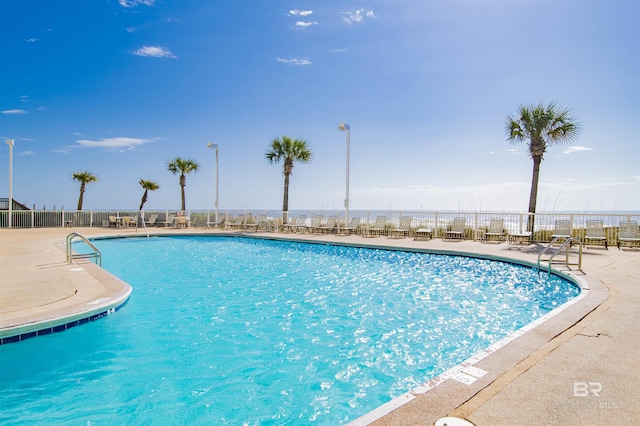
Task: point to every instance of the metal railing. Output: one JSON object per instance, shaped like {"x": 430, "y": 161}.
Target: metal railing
{"x": 95, "y": 254}
{"x": 566, "y": 244}
{"x": 437, "y": 221}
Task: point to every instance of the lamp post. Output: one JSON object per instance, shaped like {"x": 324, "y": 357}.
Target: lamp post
{"x": 215, "y": 146}
{"x": 346, "y": 128}
{"x": 10, "y": 142}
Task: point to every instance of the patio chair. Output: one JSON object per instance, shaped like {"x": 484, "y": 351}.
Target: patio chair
{"x": 457, "y": 229}
{"x": 238, "y": 222}
{"x": 301, "y": 224}
{"x": 259, "y": 222}
{"x": 594, "y": 234}
{"x": 127, "y": 221}
{"x": 403, "y": 230}
{"x": 330, "y": 225}
{"x": 562, "y": 229}
{"x": 495, "y": 231}
{"x": 113, "y": 221}
{"x": 316, "y": 222}
{"x": 628, "y": 234}
{"x": 351, "y": 227}
{"x": 378, "y": 228}
{"x": 290, "y": 226}
{"x": 152, "y": 220}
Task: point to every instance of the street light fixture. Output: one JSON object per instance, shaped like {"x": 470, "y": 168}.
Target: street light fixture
{"x": 10, "y": 142}
{"x": 215, "y": 146}
{"x": 346, "y": 128}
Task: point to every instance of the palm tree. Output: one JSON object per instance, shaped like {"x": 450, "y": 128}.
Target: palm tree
{"x": 147, "y": 185}
{"x": 288, "y": 151}
{"x": 182, "y": 166}
{"x": 84, "y": 178}
{"x": 541, "y": 126}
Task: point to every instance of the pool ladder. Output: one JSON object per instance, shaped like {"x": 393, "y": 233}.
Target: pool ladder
{"x": 565, "y": 245}
{"x": 96, "y": 254}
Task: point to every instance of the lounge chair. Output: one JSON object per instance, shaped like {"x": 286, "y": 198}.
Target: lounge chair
{"x": 457, "y": 229}
{"x": 495, "y": 231}
{"x": 423, "y": 234}
{"x": 403, "y": 230}
{"x": 379, "y": 227}
{"x": 168, "y": 220}
{"x": 127, "y": 221}
{"x": 237, "y": 223}
{"x": 562, "y": 229}
{"x": 258, "y": 223}
{"x": 594, "y": 234}
{"x": 290, "y": 226}
{"x": 330, "y": 225}
{"x": 351, "y": 227}
{"x": 628, "y": 234}
{"x": 520, "y": 237}
{"x": 316, "y": 222}
{"x": 301, "y": 224}
{"x": 152, "y": 220}
{"x": 113, "y": 221}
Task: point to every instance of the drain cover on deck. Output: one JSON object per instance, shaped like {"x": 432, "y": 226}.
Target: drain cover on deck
{"x": 453, "y": 421}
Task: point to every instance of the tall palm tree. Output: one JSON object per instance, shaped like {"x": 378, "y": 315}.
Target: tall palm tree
{"x": 541, "y": 126}
{"x": 287, "y": 151}
{"x": 84, "y": 177}
{"x": 184, "y": 167}
{"x": 147, "y": 185}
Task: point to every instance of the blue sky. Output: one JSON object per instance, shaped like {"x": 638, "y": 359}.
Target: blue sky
{"x": 120, "y": 87}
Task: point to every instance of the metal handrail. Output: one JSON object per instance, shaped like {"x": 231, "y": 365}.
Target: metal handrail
{"x": 566, "y": 244}
{"x": 97, "y": 254}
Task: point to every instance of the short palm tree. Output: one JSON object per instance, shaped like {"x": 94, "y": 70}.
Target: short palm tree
{"x": 84, "y": 177}
{"x": 183, "y": 167}
{"x": 287, "y": 151}
{"x": 147, "y": 185}
{"x": 541, "y": 126}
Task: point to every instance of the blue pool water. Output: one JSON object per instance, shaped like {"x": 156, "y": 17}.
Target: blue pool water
{"x": 225, "y": 330}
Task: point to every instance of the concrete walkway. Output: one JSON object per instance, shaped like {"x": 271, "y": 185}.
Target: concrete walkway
{"x": 579, "y": 367}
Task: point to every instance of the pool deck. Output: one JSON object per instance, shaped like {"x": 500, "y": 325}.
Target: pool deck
{"x": 581, "y": 366}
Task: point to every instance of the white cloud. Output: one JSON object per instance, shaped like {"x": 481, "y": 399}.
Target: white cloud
{"x": 297, "y": 12}
{"x": 32, "y": 40}
{"x": 133, "y": 3}
{"x": 637, "y": 178}
{"x": 357, "y": 16}
{"x": 305, "y": 24}
{"x": 154, "y": 52}
{"x": 576, "y": 148}
{"x": 129, "y": 143}
{"x": 294, "y": 61}
{"x": 14, "y": 111}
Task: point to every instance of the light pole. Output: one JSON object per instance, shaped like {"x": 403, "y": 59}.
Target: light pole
{"x": 10, "y": 142}
{"x": 215, "y": 146}
{"x": 346, "y": 128}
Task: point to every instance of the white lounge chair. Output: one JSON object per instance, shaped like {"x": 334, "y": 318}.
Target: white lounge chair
{"x": 403, "y": 229}
{"x": 457, "y": 229}
{"x": 152, "y": 220}
{"x": 291, "y": 225}
{"x": 351, "y": 227}
{"x": 562, "y": 229}
{"x": 330, "y": 225}
{"x": 495, "y": 231}
{"x": 259, "y": 222}
{"x": 628, "y": 234}
{"x": 594, "y": 234}
{"x": 316, "y": 222}
{"x": 379, "y": 227}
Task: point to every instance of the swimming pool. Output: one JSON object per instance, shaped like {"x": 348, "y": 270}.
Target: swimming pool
{"x": 225, "y": 330}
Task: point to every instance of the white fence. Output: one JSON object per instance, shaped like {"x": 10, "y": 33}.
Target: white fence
{"x": 438, "y": 221}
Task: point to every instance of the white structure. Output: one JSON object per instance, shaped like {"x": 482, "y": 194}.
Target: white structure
{"x": 10, "y": 142}
{"x": 346, "y": 128}
{"x": 215, "y": 146}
